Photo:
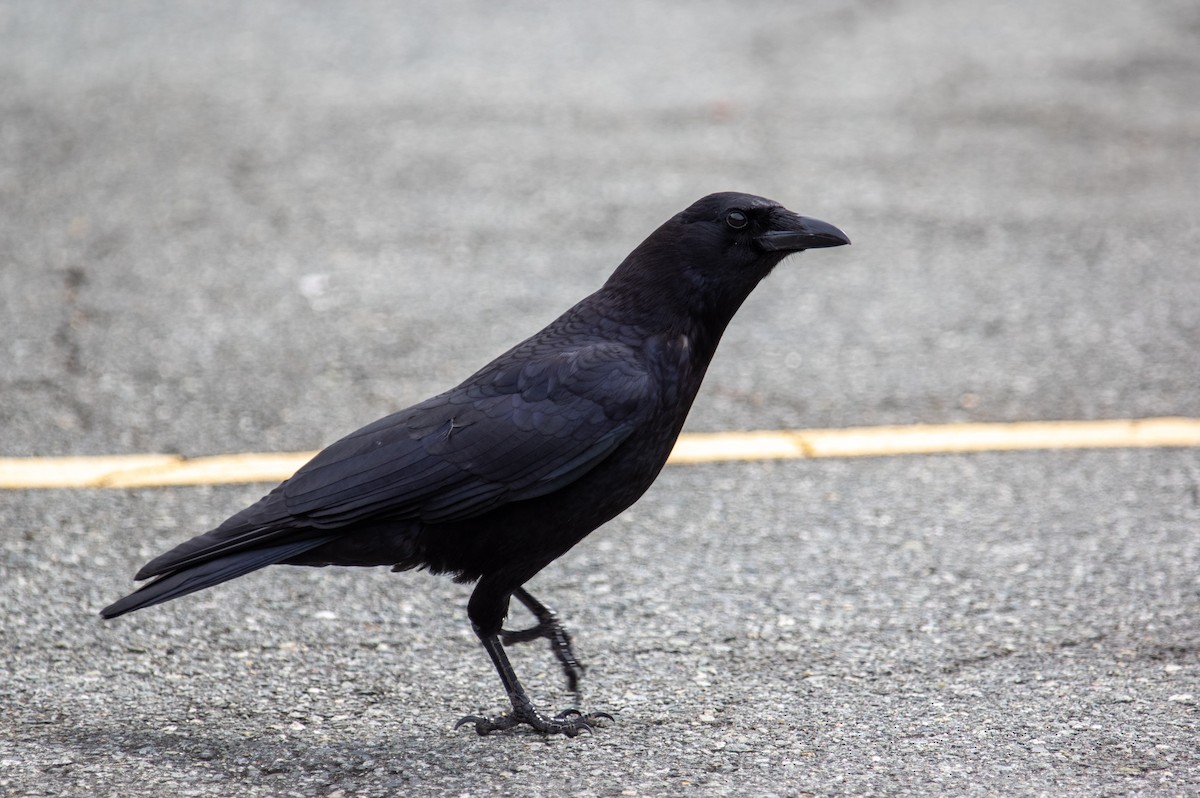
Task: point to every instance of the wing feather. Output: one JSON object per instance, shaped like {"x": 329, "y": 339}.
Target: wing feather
{"x": 518, "y": 429}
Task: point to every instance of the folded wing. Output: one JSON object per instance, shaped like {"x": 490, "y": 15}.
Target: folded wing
{"x": 516, "y": 430}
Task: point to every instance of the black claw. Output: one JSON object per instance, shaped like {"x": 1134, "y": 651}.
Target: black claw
{"x": 569, "y": 722}
{"x": 483, "y": 726}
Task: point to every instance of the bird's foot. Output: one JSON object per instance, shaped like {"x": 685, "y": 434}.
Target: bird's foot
{"x": 569, "y": 722}
{"x": 551, "y": 629}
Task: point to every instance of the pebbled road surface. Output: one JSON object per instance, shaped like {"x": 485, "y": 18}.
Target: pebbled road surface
{"x": 232, "y": 228}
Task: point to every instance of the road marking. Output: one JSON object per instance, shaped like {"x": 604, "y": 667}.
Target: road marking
{"x": 936, "y": 439}
{"x": 159, "y": 470}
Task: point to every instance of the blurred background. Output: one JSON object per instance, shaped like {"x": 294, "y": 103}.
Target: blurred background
{"x": 236, "y": 225}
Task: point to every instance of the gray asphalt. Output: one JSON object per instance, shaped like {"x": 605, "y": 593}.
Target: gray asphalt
{"x": 251, "y": 227}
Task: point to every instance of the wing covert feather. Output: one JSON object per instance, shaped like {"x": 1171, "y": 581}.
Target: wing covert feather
{"x": 516, "y": 430}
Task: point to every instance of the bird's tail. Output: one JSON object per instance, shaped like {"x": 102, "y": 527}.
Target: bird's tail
{"x": 178, "y": 583}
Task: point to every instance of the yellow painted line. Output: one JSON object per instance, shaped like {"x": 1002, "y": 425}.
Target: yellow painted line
{"x": 936, "y": 439}
{"x": 147, "y": 470}
{"x": 155, "y": 470}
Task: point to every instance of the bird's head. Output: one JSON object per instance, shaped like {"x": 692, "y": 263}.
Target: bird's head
{"x": 743, "y": 229}
{"x": 712, "y": 255}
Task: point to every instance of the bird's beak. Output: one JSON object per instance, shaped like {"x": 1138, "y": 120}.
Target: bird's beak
{"x": 793, "y": 233}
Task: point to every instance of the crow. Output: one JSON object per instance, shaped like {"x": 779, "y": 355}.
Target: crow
{"x": 496, "y": 478}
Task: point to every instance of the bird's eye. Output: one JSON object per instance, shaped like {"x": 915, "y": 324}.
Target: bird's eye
{"x": 736, "y": 219}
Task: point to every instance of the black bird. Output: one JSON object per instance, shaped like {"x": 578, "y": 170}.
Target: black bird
{"x": 497, "y": 477}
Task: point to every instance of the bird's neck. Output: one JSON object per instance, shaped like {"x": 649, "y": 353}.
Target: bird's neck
{"x": 658, "y": 289}
{"x": 677, "y": 344}
{"x": 674, "y": 312}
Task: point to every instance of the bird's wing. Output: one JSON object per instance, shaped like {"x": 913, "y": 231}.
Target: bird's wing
{"x": 516, "y": 430}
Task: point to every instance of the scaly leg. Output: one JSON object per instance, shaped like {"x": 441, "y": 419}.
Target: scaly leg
{"x": 551, "y": 628}
{"x": 571, "y": 722}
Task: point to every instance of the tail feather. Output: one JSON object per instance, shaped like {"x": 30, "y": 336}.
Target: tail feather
{"x": 209, "y": 546}
{"x": 266, "y": 522}
{"x": 206, "y": 574}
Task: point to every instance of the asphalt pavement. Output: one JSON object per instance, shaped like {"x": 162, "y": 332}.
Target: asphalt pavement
{"x": 254, "y": 227}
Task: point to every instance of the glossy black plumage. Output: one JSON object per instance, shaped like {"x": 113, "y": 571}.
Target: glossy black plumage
{"x": 495, "y": 478}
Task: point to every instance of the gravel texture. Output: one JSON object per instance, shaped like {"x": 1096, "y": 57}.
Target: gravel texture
{"x": 235, "y": 227}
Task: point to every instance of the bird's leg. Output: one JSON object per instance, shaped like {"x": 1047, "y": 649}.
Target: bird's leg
{"x": 551, "y": 628}
{"x": 570, "y": 722}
